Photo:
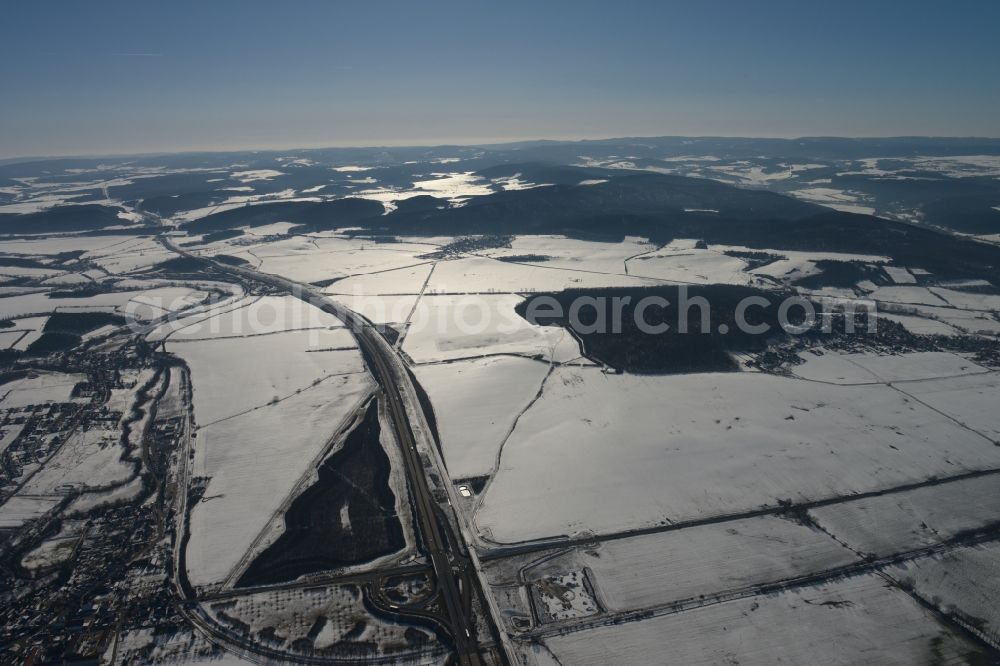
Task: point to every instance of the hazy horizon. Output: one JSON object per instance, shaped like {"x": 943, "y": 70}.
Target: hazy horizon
{"x": 485, "y": 143}
{"x": 121, "y": 78}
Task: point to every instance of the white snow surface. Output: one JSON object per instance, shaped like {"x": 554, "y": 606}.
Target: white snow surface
{"x": 855, "y": 621}
{"x": 254, "y": 462}
{"x": 233, "y": 375}
{"x": 904, "y": 521}
{"x": 666, "y": 567}
{"x": 452, "y": 327}
{"x": 964, "y": 581}
{"x": 475, "y": 405}
{"x": 870, "y": 368}
{"x": 606, "y": 453}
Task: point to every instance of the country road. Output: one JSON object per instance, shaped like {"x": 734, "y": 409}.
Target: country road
{"x": 454, "y": 572}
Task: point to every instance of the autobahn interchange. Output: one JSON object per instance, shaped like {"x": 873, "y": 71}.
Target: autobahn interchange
{"x": 454, "y": 571}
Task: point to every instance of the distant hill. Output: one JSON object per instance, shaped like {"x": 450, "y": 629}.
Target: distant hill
{"x": 559, "y": 207}
{"x": 307, "y": 215}
{"x": 86, "y": 217}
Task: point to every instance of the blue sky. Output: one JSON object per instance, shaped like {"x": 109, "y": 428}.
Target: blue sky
{"x": 140, "y": 76}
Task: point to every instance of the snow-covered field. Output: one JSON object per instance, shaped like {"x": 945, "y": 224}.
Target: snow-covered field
{"x": 407, "y": 280}
{"x": 38, "y": 388}
{"x": 8, "y": 338}
{"x": 797, "y": 264}
{"x": 254, "y": 461}
{"x": 483, "y": 275}
{"x": 120, "y": 494}
{"x": 267, "y": 314}
{"x": 328, "y": 265}
{"x": 908, "y": 295}
{"x": 964, "y": 582}
{"x": 50, "y": 553}
{"x": 704, "y": 445}
{"x": 900, "y": 275}
{"x": 971, "y": 400}
{"x": 131, "y": 255}
{"x": 233, "y": 375}
{"x": 452, "y": 327}
{"x": 920, "y": 325}
{"x": 856, "y": 621}
{"x": 380, "y": 309}
{"x": 570, "y": 253}
{"x": 139, "y": 304}
{"x": 905, "y": 521}
{"x": 660, "y": 569}
{"x": 94, "y": 245}
{"x": 267, "y": 403}
{"x": 869, "y": 368}
{"x": 20, "y": 509}
{"x": 475, "y": 405}
{"x": 89, "y": 459}
{"x": 699, "y": 266}
{"x": 842, "y": 200}
{"x": 973, "y": 322}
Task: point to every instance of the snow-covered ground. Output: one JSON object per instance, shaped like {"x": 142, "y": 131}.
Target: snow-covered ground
{"x": 969, "y": 321}
{"x": 842, "y": 200}
{"x": 452, "y": 327}
{"x": 408, "y": 280}
{"x": 964, "y": 582}
{"x": 476, "y": 404}
{"x": 970, "y": 400}
{"x": 561, "y": 252}
{"x": 704, "y": 445}
{"x": 796, "y": 264}
{"x": 92, "y": 245}
{"x": 267, "y": 314}
{"x": 659, "y": 569}
{"x": 869, "y": 368}
{"x": 908, "y": 295}
{"x": 379, "y": 309}
{"x": 854, "y": 621}
{"x": 18, "y": 510}
{"x": 905, "y": 521}
{"x": 233, "y": 375}
{"x": 341, "y": 615}
{"x": 38, "y": 388}
{"x": 920, "y": 325}
{"x": 254, "y": 461}
{"x": 139, "y": 304}
{"x": 694, "y": 265}
{"x": 483, "y": 275}
{"x": 89, "y": 459}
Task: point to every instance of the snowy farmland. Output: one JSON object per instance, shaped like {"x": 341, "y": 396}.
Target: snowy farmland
{"x": 698, "y": 266}
{"x": 253, "y": 462}
{"x": 704, "y": 445}
{"x": 484, "y": 275}
{"x": 269, "y": 392}
{"x": 867, "y": 620}
{"x": 906, "y": 521}
{"x": 39, "y": 388}
{"x": 695, "y": 563}
{"x": 572, "y": 254}
{"x": 452, "y": 327}
{"x": 868, "y": 368}
{"x": 263, "y": 315}
{"x": 964, "y": 583}
{"x": 476, "y": 404}
{"x": 143, "y": 305}
{"x": 234, "y": 375}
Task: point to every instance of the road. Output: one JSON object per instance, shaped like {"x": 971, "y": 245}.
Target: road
{"x": 453, "y": 571}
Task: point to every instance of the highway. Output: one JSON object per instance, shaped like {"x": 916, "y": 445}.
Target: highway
{"x": 454, "y": 572}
